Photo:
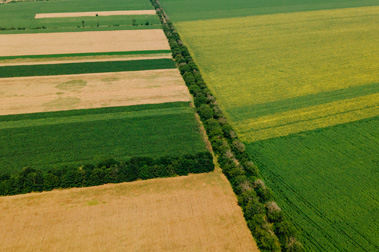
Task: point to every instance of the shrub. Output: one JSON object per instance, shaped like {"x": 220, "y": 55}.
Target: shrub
{"x": 205, "y": 111}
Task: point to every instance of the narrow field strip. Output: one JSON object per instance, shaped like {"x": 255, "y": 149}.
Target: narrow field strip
{"x": 65, "y": 92}
{"x": 271, "y": 108}
{"x": 94, "y": 13}
{"x": 86, "y": 67}
{"x": 72, "y": 60}
{"x": 94, "y": 137}
{"x": 310, "y": 118}
{"x": 146, "y": 52}
{"x": 92, "y": 117}
{"x": 82, "y": 42}
{"x": 179, "y": 214}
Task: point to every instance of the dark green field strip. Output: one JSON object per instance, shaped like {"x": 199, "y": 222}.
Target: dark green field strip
{"x": 258, "y": 110}
{"x": 21, "y": 14}
{"x": 90, "y": 138}
{"x": 327, "y": 181}
{"x": 85, "y": 67}
{"x": 84, "y": 54}
{"x": 94, "y": 111}
{"x": 215, "y": 9}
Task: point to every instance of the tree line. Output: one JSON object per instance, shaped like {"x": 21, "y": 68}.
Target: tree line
{"x": 270, "y": 227}
{"x": 108, "y": 171}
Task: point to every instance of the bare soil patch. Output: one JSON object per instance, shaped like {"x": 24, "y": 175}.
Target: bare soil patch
{"x": 82, "y": 91}
{"x": 94, "y": 13}
{"x": 82, "y": 42}
{"x": 192, "y": 213}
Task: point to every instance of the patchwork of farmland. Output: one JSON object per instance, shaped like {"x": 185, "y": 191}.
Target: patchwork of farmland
{"x": 73, "y": 98}
{"x": 300, "y": 86}
{"x": 191, "y": 213}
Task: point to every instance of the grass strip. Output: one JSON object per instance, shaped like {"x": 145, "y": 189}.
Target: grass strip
{"x": 83, "y": 54}
{"x": 85, "y": 67}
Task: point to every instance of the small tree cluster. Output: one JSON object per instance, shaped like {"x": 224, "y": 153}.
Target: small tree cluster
{"x": 265, "y": 219}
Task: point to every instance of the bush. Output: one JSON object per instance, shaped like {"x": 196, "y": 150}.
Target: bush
{"x": 205, "y": 112}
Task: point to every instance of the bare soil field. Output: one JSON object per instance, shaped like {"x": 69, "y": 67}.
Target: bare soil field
{"x": 80, "y": 60}
{"x": 94, "y": 13}
{"x": 82, "y": 91}
{"x": 192, "y": 213}
{"x": 82, "y": 42}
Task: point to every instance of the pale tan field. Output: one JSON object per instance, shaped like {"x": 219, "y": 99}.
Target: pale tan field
{"x": 93, "y": 13}
{"x": 193, "y": 213}
{"x": 48, "y": 61}
{"x": 82, "y": 42}
{"x": 82, "y": 91}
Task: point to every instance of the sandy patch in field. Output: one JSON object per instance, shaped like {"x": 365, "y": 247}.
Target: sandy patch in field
{"x": 82, "y": 42}
{"x": 93, "y": 14}
{"x": 192, "y": 213}
{"x": 55, "y": 93}
{"x": 52, "y": 62}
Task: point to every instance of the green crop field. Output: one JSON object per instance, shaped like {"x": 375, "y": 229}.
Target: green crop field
{"x": 328, "y": 182}
{"x": 20, "y": 15}
{"x": 45, "y": 140}
{"x": 301, "y": 87}
{"x": 86, "y": 67}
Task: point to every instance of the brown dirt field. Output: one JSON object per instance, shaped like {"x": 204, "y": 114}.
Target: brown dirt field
{"x": 82, "y": 42}
{"x": 192, "y": 213}
{"x": 82, "y": 91}
{"x": 93, "y": 13}
{"x": 47, "y": 61}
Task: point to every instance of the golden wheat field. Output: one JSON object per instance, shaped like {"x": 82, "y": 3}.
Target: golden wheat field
{"x": 192, "y": 213}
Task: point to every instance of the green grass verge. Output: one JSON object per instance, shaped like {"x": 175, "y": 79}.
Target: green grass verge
{"x": 84, "y": 54}
{"x": 85, "y": 67}
{"x": 53, "y": 139}
{"x": 327, "y": 181}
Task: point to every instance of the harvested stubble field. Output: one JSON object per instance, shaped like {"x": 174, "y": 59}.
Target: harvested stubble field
{"x": 95, "y": 13}
{"x": 193, "y": 213}
{"x": 278, "y": 76}
{"x": 82, "y": 91}
{"x": 82, "y": 42}
{"x": 76, "y": 137}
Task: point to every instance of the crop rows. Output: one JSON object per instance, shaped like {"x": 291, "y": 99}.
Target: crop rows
{"x": 46, "y": 140}
{"x": 86, "y": 67}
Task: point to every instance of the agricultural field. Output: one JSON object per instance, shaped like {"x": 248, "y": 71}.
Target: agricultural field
{"x": 301, "y": 88}
{"x": 75, "y": 137}
{"x": 19, "y": 17}
{"x": 192, "y": 213}
{"x": 75, "y": 98}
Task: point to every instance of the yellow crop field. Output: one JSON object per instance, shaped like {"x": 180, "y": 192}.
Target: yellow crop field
{"x": 192, "y": 213}
{"x": 309, "y": 118}
{"x": 291, "y": 61}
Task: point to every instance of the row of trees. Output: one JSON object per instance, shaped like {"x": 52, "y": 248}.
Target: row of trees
{"x": 269, "y": 226}
{"x": 108, "y": 171}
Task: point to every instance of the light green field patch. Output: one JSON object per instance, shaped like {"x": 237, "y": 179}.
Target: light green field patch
{"x": 72, "y": 85}
{"x": 267, "y": 58}
{"x": 60, "y": 103}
